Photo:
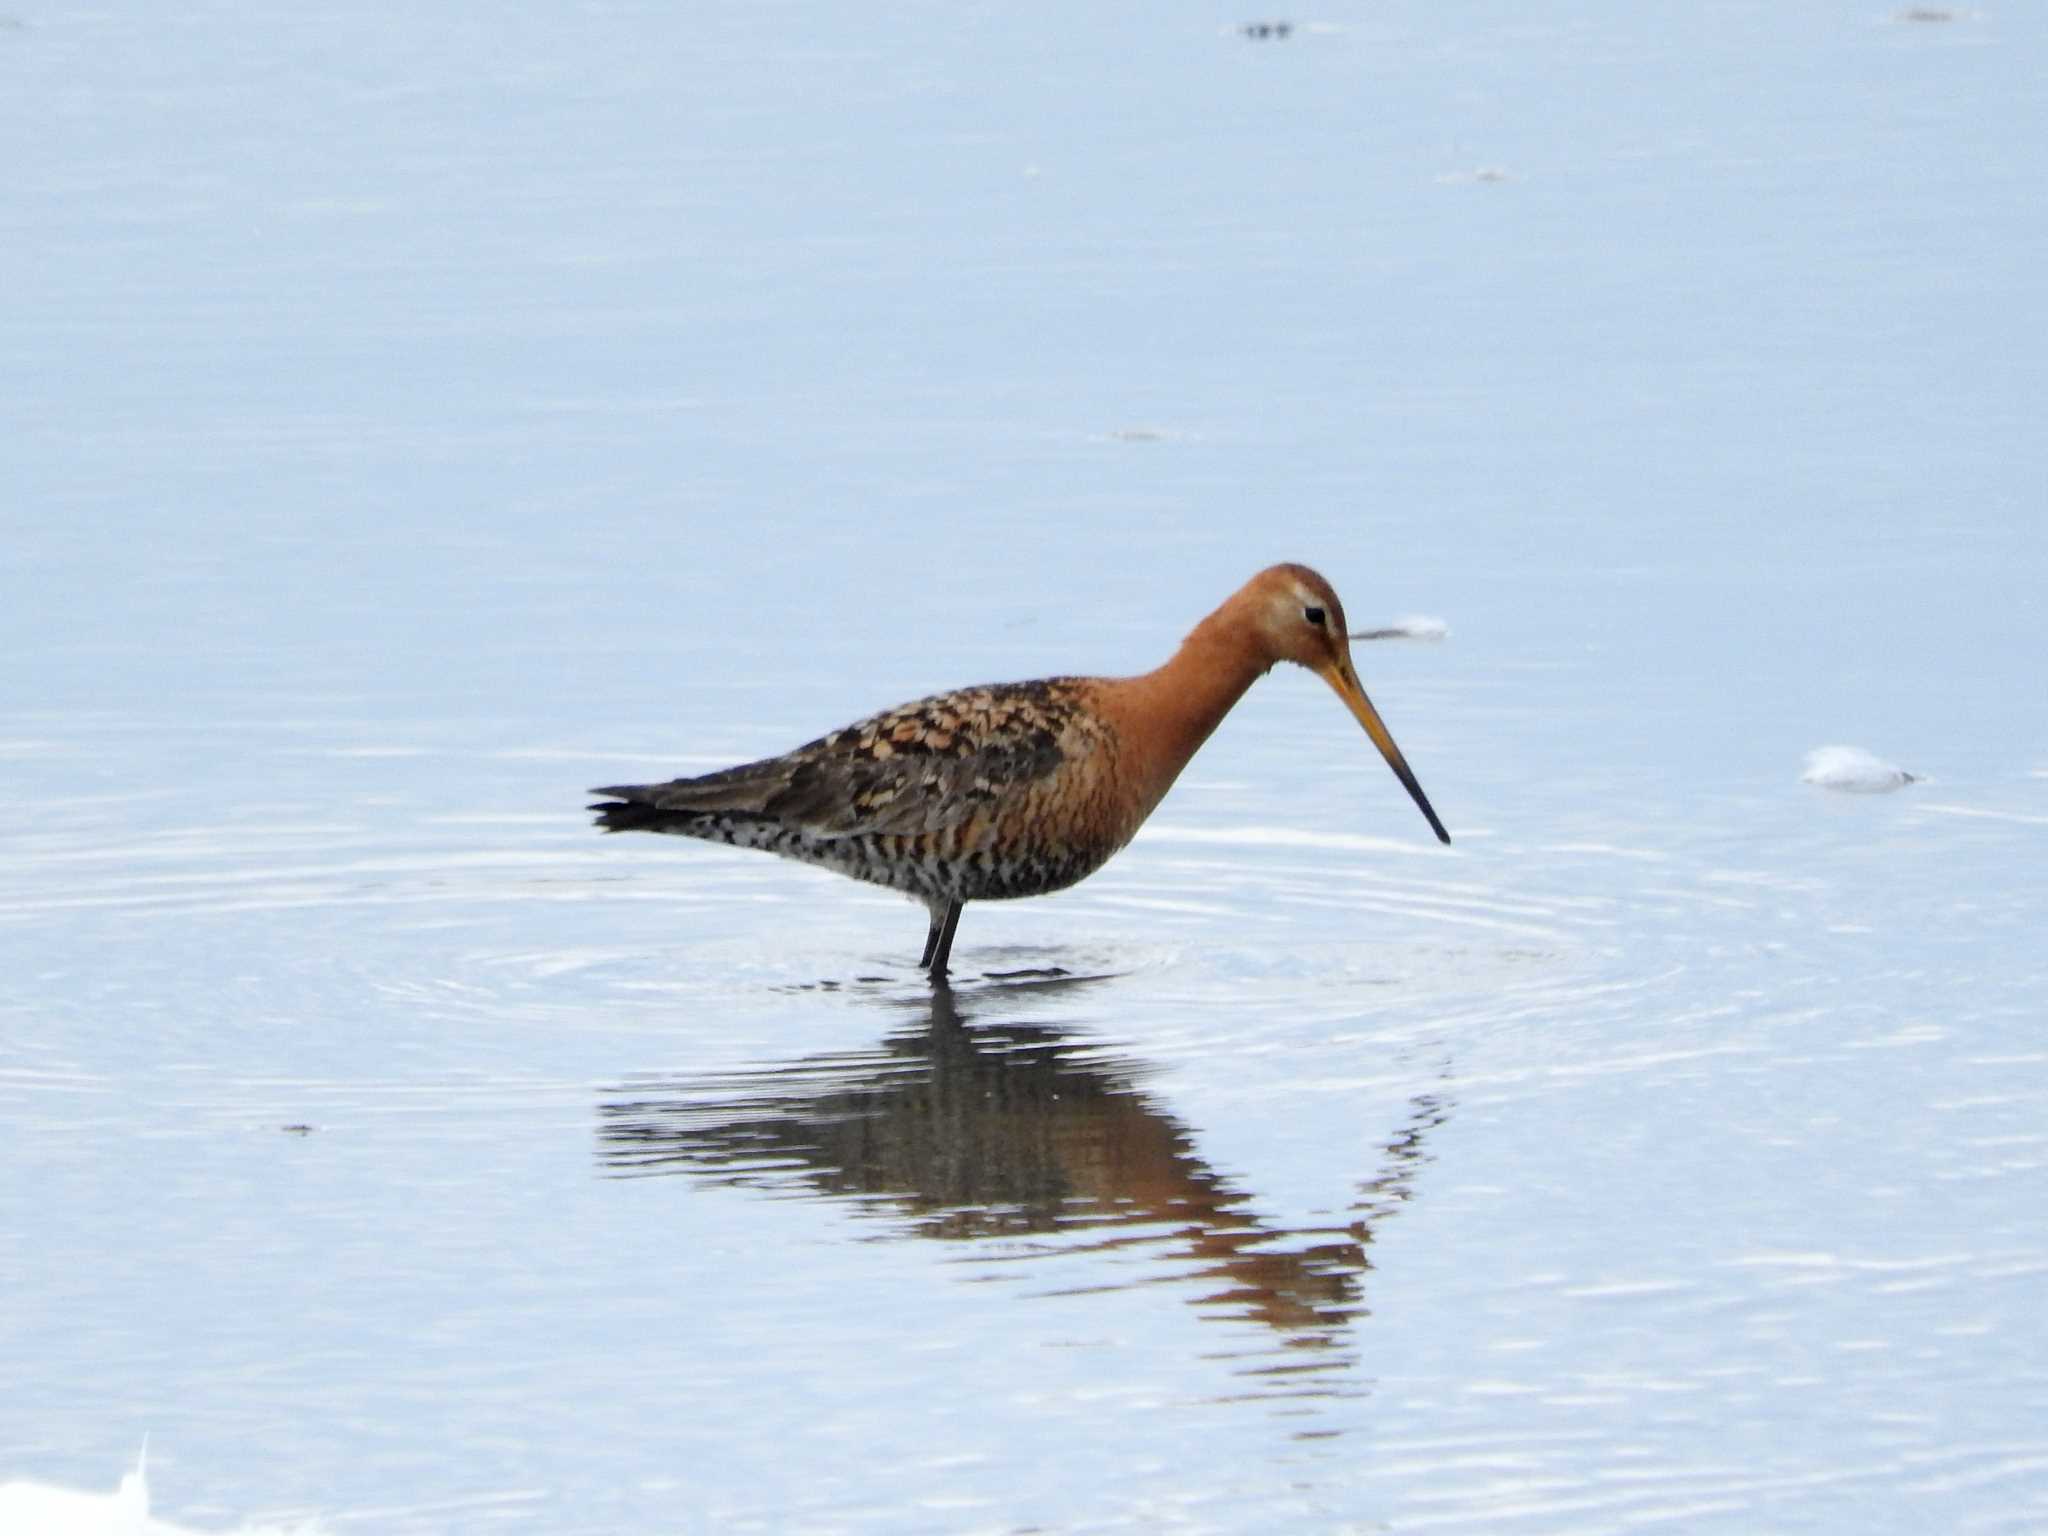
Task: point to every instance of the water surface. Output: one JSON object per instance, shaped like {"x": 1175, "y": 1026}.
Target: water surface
{"x": 422, "y": 416}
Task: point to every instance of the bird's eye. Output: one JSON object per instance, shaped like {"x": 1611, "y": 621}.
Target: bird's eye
{"x": 1314, "y": 616}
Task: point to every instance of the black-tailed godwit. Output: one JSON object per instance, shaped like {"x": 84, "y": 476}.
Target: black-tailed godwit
{"x": 1012, "y": 789}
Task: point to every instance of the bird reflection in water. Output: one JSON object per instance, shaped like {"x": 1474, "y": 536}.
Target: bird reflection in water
{"x": 1019, "y": 1131}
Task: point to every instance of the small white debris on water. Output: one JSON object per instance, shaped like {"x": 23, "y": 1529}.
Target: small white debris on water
{"x": 1415, "y": 627}
{"x": 1854, "y": 771}
{"x": 47, "y": 1510}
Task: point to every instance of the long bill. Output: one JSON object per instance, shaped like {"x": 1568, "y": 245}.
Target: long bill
{"x": 1339, "y": 675}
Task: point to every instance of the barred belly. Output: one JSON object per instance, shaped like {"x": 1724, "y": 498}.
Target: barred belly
{"x": 915, "y": 866}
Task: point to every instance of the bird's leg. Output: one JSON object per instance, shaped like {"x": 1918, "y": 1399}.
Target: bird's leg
{"x": 938, "y": 944}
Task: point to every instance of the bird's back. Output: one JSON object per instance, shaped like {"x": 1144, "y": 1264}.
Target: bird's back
{"x": 1006, "y": 789}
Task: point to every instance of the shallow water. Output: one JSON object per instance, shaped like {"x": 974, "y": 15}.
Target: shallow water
{"x": 426, "y": 416}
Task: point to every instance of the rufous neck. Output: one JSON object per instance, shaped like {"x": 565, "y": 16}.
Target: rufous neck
{"x": 1180, "y": 703}
{"x": 1203, "y": 680}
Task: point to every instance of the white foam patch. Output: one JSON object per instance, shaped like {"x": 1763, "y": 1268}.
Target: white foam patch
{"x": 1854, "y": 771}
{"x": 1415, "y": 627}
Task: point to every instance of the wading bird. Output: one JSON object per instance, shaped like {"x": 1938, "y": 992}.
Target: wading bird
{"x": 1012, "y": 789}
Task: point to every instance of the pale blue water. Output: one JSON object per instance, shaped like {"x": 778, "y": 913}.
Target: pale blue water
{"x": 421, "y": 415}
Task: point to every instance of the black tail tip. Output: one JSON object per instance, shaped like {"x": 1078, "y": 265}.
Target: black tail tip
{"x": 622, "y": 815}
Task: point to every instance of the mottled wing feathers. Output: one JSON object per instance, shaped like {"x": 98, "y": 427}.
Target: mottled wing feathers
{"x": 918, "y": 768}
{"x": 747, "y": 788}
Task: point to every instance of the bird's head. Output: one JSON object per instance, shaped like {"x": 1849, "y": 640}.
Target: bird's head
{"x": 1299, "y": 618}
